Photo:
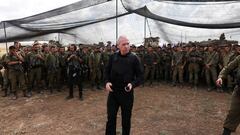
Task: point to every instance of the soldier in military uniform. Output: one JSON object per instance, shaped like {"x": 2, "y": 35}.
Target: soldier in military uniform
{"x": 225, "y": 59}
{"x": 178, "y": 63}
{"x": 194, "y": 60}
{"x": 167, "y": 60}
{"x": 16, "y": 76}
{"x": 160, "y": 64}
{"x": 44, "y": 76}
{"x": 150, "y": 62}
{"x": 36, "y": 61}
{"x": 105, "y": 58}
{"x": 73, "y": 72}
{"x": 95, "y": 62}
{"x": 62, "y": 67}
{"x": 211, "y": 61}
{"x": 6, "y": 82}
{"x": 233, "y": 118}
{"x": 52, "y": 64}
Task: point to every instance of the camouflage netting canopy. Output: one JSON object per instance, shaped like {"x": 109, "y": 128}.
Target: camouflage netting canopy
{"x": 93, "y": 21}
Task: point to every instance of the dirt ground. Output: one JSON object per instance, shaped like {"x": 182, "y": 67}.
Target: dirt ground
{"x": 160, "y": 110}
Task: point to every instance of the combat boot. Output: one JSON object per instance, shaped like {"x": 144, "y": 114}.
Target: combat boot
{"x": 80, "y": 96}
{"x": 226, "y": 131}
{"x": 69, "y": 97}
{"x": 15, "y": 96}
{"x": 5, "y": 93}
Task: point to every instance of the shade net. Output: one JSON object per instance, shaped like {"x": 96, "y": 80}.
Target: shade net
{"x": 93, "y": 21}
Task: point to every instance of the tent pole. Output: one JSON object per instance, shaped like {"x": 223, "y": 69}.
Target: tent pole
{"x": 5, "y": 34}
{"x": 116, "y": 21}
{"x": 145, "y": 27}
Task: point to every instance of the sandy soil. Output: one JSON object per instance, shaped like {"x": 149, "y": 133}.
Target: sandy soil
{"x": 160, "y": 110}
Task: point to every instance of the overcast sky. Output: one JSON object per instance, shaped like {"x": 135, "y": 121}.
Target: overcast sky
{"x": 15, "y": 9}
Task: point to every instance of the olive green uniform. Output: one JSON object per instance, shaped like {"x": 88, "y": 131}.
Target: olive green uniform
{"x": 211, "y": 59}
{"x": 233, "y": 118}
{"x": 16, "y": 75}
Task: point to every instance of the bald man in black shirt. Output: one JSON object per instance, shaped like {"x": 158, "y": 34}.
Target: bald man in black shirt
{"x": 123, "y": 73}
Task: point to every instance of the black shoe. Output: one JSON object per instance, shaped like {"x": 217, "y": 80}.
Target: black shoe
{"x": 29, "y": 94}
{"x": 81, "y": 98}
{"x": 15, "y": 97}
{"x": 99, "y": 88}
{"x": 209, "y": 89}
{"x": 5, "y": 93}
{"x": 69, "y": 97}
{"x": 220, "y": 90}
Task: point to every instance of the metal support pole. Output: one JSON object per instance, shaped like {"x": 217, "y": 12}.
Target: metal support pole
{"x": 116, "y": 20}
{"x": 5, "y": 34}
{"x": 145, "y": 27}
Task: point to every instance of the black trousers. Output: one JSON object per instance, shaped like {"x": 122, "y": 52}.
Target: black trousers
{"x": 74, "y": 78}
{"x": 124, "y": 100}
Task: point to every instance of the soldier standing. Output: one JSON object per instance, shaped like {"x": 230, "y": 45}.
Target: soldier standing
{"x": 150, "y": 62}
{"x": 35, "y": 61}
{"x": 194, "y": 59}
{"x": 14, "y": 62}
{"x": 62, "y": 67}
{"x": 233, "y": 118}
{"x": 167, "y": 60}
{"x": 94, "y": 64}
{"x": 225, "y": 59}
{"x": 178, "y": 63}
{"x": 211, "y": 61}
{"x": 52, "y": 63}
{"x": 73, "y": 71}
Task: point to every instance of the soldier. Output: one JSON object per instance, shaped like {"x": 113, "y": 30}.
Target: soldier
{"x": 105, "y": 58}
{"x": 36, "y": 61}
{"x": 52, "y": 64}
{"x": 85, "y": 61}
{"x": 95, "y": 62}
{"x": 14, "y": 62}
{"x": 73, "y": 71}
{"x": 225, "y": 59}
{"x": 233, "y": 118}
{"x": 178, "y": 63}
{"x": 167, "y": 60}
{"x": 5, "y": 74}
{"x": 44, "y": 77}
{"x": 194, "y": 59}
{"x": 62, "y": 67}
{"x": 150, "y": 62}
{"x": 160, "y": 64}
{"x": 211, "y": 61}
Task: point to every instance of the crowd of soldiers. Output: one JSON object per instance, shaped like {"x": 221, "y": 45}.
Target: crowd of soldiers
{"x": 49, "y": 67}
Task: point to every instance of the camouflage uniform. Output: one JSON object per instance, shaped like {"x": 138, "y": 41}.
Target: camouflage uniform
{"x": 52, "y": 64}
{"x": 95, "y": 72}
{"x": 149, "y": 61}
{"x": 225, "y": 57}
{"x": 166, "y": 59}
{"x": 16, "y": 75}
{"x": 35, "y": 66}
{"x": 194, "y": 59}
{"x": 105, "y": 58}
{"x": 63, "y": 68}
{"x": 233, "y": 118}
{"x": 178, "y": 63}
{"x": 5, "y": 74}
{"x": 211, "y": 62}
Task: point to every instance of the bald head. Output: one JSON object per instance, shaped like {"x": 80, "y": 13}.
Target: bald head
{"x": 123, "y": 45}
{"x": 122, "y": 39}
